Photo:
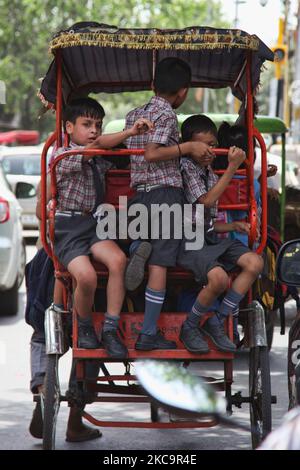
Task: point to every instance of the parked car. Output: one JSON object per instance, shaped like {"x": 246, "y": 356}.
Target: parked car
{"x": 22, "y": 164}
{"x": 12, "y": 247}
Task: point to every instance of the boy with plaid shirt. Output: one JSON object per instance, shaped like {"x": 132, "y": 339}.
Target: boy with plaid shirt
{"x": 157, "y": 179}
{"x": 80, "y": 186}
{"x": 217, "y": 257}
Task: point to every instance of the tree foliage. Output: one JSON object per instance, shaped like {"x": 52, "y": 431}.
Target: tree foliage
{"x": 26, "y": 27}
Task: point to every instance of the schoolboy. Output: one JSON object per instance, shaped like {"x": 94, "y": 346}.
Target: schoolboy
{"x": 211, "y": 264}
{"x": 157, "y": 179}
{"x": 80, "y": 186}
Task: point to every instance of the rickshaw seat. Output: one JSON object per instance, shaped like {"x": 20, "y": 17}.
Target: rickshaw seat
{"x": 117, "y": 184}
{"x": 102, "y": 272}
{"x": 235, "y": 193}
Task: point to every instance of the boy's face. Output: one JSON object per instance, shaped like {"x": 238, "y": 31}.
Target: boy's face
{"x": 209, "y": 139}
{"x": 85, "y": 130}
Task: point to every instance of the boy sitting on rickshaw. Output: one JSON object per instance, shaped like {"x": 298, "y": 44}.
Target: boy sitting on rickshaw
{"x": 80, "y": 187}
{"x": 79, "y": 182}
{"x": 211, "y": 264}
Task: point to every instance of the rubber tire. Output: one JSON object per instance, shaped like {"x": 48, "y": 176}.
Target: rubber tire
{"x": 270, "y": 316}
{"x": 9, "y": 301}
{"x": 260, "y": 394}
{"x": 51, "y": 402}
{"x": 297, "y": 374}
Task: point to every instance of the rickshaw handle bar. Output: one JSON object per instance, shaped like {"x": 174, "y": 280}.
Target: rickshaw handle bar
{"x": 43, "y": 228}
{"x": 264, "y": 194}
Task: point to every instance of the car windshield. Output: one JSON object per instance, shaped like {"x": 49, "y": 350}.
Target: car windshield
{"x": 22, "y": 164}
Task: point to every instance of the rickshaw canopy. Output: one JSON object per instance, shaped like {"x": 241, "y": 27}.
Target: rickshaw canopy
{"x": 102, "y": 58}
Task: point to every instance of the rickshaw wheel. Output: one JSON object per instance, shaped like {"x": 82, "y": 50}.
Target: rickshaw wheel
{"x": 260, "y": 394}
{"x": 270, "y": 316}
{"x": 297, "y": 375}
{"x": 51, "y": 403}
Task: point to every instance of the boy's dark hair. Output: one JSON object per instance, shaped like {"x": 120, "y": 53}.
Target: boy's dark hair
{"x": 82, "y": 107}
{"x": 171, "y": 74}
{"x": 196, "y": 124}
{"x": 229, "y": 136}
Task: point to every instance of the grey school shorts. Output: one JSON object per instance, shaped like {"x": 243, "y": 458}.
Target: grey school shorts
{"x": 74, "y": 236}
{"x": 224, "y": 254}
{"x": 164, "y": 251}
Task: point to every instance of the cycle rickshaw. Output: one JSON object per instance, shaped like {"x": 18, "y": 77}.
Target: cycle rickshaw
{"x": 92, "y": 57}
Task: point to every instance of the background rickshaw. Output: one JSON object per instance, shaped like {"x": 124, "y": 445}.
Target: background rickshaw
{"x": 288, "y": 272}
{"x": 90, "y": 57}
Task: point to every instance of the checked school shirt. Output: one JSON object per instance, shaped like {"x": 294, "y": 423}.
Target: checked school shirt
{"x": 197, "y": 181}
{"x": 165, "y": 132}
{"x": 75, "y": 180}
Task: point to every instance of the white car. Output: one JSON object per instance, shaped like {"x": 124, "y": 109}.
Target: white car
{"x": 22, "y": 164}
{"x": 12, "y": 248}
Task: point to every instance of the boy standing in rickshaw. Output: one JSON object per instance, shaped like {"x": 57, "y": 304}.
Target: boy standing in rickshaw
{"x": 157, "y": 179}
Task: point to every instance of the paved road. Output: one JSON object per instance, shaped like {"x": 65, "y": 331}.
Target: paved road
{"x": 16, "y": 401}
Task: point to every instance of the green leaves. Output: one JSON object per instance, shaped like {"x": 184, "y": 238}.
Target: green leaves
{"x": 26, "y": 27}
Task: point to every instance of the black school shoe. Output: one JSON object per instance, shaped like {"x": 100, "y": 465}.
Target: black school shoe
{"x": 218, "y": 336}
{"x": 192, "y": 339}
{"x": 150, "y": 342}
{"x": 113, "y": 344}
{"x": 135, "y": 271}
{"x": 87, "y": 338}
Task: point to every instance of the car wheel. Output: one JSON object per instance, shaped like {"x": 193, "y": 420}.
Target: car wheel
{"x": 9, "y": 300}
{"x": 22, "y": 265}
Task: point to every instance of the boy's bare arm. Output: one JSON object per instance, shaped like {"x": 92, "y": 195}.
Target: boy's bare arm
{"x": 236, "y": 156}
{"x": 108, "y": 141}
{"x": 197, "y": 150}
{"x": 236, "y": 226}
{"x": 38, "y": 197}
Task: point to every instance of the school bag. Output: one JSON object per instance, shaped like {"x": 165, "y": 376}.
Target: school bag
{"x": 39, "y": 279}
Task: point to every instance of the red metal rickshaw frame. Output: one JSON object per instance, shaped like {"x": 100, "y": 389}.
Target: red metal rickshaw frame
{"x": 181, "y": 354}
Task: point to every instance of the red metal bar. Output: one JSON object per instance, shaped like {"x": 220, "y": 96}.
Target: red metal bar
{"x": 221, "y": 172}
{"x": 118, "y": 399}
{"x": 58, "y": 107}
{"x": 51, "y": 139}
{"x": 228, "y": 372}
{"x": 131, "y": 424}
{"x": 228, "y": 207}
{"x": 263, "y": 189}
{"x": 180, "y": 354}
{"x": 250, "y": 167}
{"x": 113, "y": 378}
